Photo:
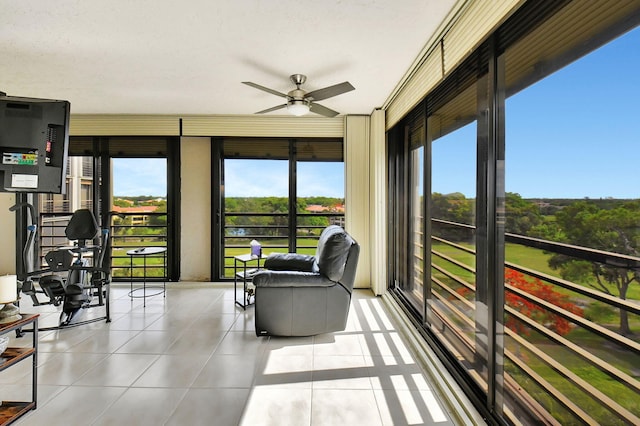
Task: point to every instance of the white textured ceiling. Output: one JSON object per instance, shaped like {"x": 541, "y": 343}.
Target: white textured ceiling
{"x": 190, "y": 56}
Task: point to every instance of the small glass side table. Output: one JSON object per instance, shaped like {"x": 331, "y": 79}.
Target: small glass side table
{"x": 246, "y": 275}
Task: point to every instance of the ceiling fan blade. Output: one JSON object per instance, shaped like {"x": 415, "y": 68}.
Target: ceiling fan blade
{"x": 272, "y": 109}
{"x": 331, "y": 91}
{"x": 266, "y": 89}
{"x": 322, "y": 110}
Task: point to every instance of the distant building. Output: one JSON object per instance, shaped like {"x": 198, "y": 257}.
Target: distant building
{"x": 333, "y": 220}
{"x": 316, "y": 208}
{"x": 139, "y": 215}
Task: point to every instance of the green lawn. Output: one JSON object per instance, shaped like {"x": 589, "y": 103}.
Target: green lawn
{"x": 121, "y": 265}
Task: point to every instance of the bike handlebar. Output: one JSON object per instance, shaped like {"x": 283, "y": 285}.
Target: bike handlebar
{"x": 29, "y": 206}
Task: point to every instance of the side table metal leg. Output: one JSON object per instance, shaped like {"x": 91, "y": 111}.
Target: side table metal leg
{"x": 131, "y": 278}
{"x": 235, "y": 281}
{"x": 144, "y": 282}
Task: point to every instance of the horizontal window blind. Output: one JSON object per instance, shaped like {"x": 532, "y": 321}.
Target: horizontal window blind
{"x": 262, "y": 126}
{"x": 120, "y": 146}
{"x": 123, "y": 125}
{"x": 307, "y": 149}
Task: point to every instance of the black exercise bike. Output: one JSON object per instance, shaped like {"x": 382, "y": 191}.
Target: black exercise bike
{"x": 87, "y": 280}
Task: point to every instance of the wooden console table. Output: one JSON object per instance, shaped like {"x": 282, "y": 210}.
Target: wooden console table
{"x": 12, "y": 410}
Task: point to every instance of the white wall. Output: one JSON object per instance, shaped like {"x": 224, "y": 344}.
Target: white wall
{"x": 7, "y": 234}
{"x": 195, "y": 205}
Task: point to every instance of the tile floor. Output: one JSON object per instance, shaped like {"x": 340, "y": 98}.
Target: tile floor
{"x": 193, "y": 358}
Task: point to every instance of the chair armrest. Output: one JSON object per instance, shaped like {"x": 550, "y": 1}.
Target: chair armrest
{"x": 290, "y": 279}
{"x": 289, "y": 262}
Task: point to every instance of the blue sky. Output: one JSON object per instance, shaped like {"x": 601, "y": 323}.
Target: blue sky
{"x": 574, "y": 134}
{"x": 140, "y": 176}
{"x": 263, "y": 178}
{"x": 244, "y": 178}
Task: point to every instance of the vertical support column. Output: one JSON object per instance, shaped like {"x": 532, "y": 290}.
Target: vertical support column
{"x": 378, "y": 186}
{"x": 195, "y": 208}
{"x": 357, "y": 191}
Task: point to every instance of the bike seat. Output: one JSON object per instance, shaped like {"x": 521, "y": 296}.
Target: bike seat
{"x": 82, "y": 226}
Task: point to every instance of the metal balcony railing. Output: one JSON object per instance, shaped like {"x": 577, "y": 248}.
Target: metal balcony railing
{"x": 584, "y": 374}
{"x": 271, "y": 230}
{"x": 135, "y": 230}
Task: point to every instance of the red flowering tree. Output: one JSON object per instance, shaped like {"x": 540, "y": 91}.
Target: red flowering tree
{"x": 546, "y": 292}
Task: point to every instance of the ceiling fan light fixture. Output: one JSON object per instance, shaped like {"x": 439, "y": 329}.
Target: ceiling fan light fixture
{"x": 298, "y": 107}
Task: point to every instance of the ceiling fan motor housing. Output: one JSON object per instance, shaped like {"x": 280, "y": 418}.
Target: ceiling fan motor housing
{"x": 297, "y": 94}
{"x": 298, "y": 79}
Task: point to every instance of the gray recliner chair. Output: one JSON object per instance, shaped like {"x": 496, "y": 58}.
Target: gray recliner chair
{"x": 302, "y": 295}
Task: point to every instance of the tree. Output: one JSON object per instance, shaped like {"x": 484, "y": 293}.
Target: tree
{"x": 541, "y": 315}
{"x": 614, "y": 230}
{"x": 454, "y": 207}
{"x": 521, "y": 215}
{"x": 546, "y": 292}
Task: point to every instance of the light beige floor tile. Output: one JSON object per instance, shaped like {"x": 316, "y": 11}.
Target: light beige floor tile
{"x": 241, "y": 343}
{"x": 371, "y": 315}
{"x": 411, "y": 407}
{"x": 142, "y": 406}
{"x": 105, "y": 341}
{"x": 385, "y": 343}
{"x": 283, "y": 346}
{"x": 22, "y": 392}
{"x": 75, "y": 405}
{"x": 220, "y": 407}
{"x": 227, "y": 371}
{"x": 63, "y": 340}
{"x": 227, "y": 306}
{"x": 392, "y": 373}
{"x": 285, "y": 371}
{"x": 245, "y": 322}
{"x": 344, "y": 407}
{"x": 337, "y": 344}
{"x": 197, "y": 340}
{"x": 172, "y": 371}
{"x": 134, "y": 321}
{"x": 171, "y": 322}
{"x": 120, "y": 306}
{"x": 117, "y": 370}
{"x": 66, "y": 368}
{"x": 153, "y": 303}
{"x": 150, "y": 342}
{"x": 269, "y": 406}
{"x": 341, "y": 372}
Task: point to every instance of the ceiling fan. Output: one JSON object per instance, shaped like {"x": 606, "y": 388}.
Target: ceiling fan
{"x": 300, "y": 102}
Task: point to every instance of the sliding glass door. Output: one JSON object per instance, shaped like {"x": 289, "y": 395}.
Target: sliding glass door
{"x": 278, "y": 192}
{"x": 528, "y": 295}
